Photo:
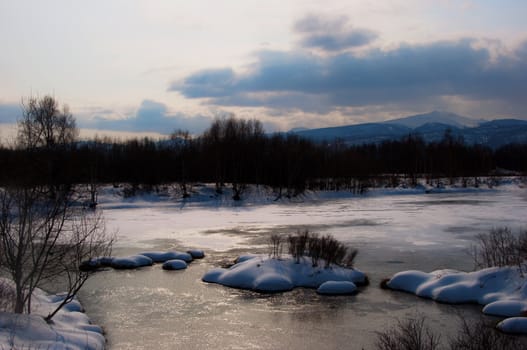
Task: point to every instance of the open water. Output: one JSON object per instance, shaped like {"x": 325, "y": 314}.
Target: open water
{"x": 150, "y": 308}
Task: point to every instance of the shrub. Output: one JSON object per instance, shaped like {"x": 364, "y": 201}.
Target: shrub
{"x": 500, "y": 247}
{"x": 314, "y": 249}
{"x": 275, "y": 245}
{"x": 412, "y": 334}
{"x": 349, "y": 258}
{"x": 482, "y": 336}
{"x": 298, "y": 244}
{"x": 334, "y": 252}
{"x": 312, "y": 245}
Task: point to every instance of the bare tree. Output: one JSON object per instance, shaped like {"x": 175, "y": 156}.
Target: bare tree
{"x": 44, "y": 124}
{"x": 45, "y": 131}
{"x": 44, "y": 238}
{"x": 182, "y": 141}
{"x": 86, "y": 242}
{"x": 29, "y": 229}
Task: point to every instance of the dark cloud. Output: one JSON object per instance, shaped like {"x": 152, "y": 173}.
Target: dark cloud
{"x": 315, "y": 23}
{"x": 212, "y": 82}
{"x": 151, "y": 116}
{"x": 331, "y": 34}
{"x": 10, "y": 113}
{"x": 400, "y": 76}
{"x": 330, "y": 42}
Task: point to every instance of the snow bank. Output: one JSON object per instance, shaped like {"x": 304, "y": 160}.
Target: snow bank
{"x": 70, "y": 328}
{"x": 205, "y": 195}
{"x": 263, "y": 274}
{"x": 175, "y": 264}
{"x": 503, "y": 291}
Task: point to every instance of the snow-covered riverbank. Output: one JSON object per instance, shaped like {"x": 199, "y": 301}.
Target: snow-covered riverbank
{"x": 70, "y": 328}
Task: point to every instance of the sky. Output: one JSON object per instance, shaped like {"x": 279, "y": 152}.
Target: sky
{"x": 153, "y": 67}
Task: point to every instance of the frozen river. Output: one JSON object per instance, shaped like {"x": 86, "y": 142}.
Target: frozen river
{"x": 155, "y": 309}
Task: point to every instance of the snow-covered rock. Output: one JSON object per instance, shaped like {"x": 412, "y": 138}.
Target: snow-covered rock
{"x": 131, "y": 262}
{"x": 175, "y": 264}
{"x": 196, "y": 253}
{"x": 186, "y": 257}
{"x": 337, "y": 288}
{"x": 513, "y": 325}
{"x": 263, "y": 274}
{"x": 503, "y": 290}
{"x": 159, "y": 257}
{"x": 507, "y": 308}
{"x": 96, "y": 263}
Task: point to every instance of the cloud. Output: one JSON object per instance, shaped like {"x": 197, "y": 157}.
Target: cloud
{"x": 151, "y": 116}
{"x": 331, "y": 33}
{"x": 305, "y": 81}
{"x": 212, "y": 82}
{"x": 10, "y": 113}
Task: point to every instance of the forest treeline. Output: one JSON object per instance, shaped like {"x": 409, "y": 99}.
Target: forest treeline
{"x": 236, "y": 152}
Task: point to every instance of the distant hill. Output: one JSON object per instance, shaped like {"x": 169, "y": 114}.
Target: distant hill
{"x": 497, "y": 133}
{"x": 436, "y": 117}
{"x": 357, "y": 134}
{"x": 431, "y": 126}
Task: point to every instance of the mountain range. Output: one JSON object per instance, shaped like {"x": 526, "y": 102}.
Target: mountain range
{"x": 430, "y": 126}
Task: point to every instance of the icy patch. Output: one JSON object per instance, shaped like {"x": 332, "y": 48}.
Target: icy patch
{"x": 503, "y": 291}
{"x": 263, "y": 274}
{"x": 337, "y": 288}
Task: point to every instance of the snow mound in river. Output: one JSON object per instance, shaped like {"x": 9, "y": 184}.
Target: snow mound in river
{"x": 503, "y": 291}
{"x": 263, "y": 274}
